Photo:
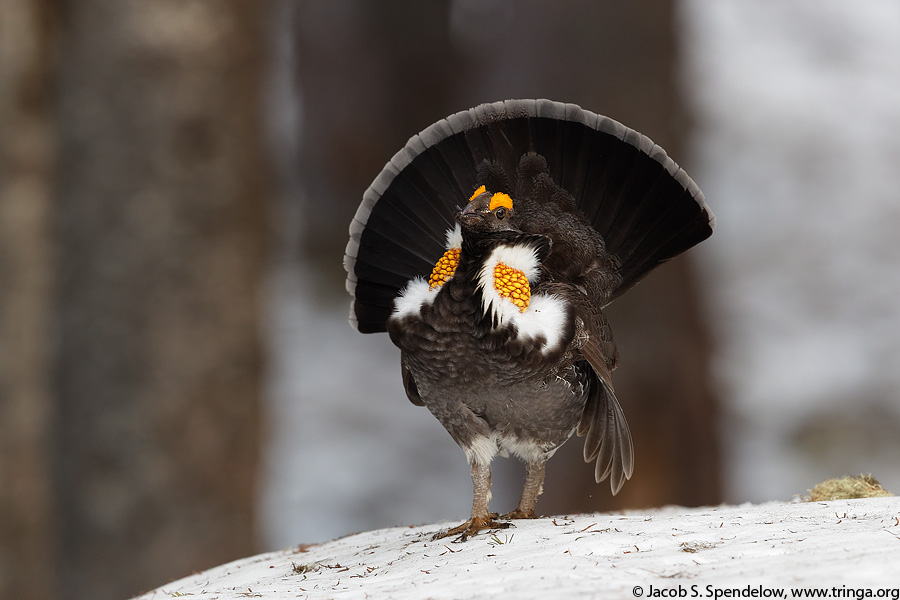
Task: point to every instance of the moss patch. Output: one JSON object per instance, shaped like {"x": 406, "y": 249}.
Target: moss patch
{"x": 845, "y": 488}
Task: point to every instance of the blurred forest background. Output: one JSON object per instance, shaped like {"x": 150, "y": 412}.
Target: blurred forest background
{"x": 178, "y": 383}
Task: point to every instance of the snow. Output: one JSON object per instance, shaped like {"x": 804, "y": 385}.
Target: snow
{"x": 701, "y": 552}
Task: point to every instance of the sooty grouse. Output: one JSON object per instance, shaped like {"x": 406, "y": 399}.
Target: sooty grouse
{"x": 487, "y": 248}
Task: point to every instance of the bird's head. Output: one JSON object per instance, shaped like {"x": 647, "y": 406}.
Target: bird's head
{"x": 486, "y": 212}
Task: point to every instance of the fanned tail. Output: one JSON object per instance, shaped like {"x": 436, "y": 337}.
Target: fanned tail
{"x": 643, "y": 204}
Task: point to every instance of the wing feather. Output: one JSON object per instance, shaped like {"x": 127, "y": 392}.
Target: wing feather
{"x": 603, "y": 425}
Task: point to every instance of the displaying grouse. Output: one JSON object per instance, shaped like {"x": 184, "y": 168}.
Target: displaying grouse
{"x": 487, "y": 248}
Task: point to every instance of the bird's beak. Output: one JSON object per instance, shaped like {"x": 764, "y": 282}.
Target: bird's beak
{"x": 469, "y": 214}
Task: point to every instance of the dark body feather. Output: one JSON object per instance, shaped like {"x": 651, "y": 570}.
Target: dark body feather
{"x": 478, "y": 379}
{"x": 595, "y": 206}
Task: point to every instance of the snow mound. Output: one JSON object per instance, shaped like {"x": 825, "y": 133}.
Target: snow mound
{"x": 726, "y": 551}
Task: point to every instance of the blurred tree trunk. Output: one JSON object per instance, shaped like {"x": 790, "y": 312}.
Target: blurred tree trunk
{"x": 130, "y": 363}
{"x": 159, "y": 217}
{"x": 27, "y": 543}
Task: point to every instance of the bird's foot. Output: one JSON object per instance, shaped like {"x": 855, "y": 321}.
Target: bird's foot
{"x": 519, "y": 514}
{"x": 471, "y": 527}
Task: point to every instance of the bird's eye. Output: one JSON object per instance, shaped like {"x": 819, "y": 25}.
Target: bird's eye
{"x": 500, "y": 212}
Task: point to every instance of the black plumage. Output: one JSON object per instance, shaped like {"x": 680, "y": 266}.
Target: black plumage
{"x": 529, "y": 216}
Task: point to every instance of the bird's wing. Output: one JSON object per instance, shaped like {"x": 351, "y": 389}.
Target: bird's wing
{"x": 409, "y": 383}
{"x": 607, "y": 437}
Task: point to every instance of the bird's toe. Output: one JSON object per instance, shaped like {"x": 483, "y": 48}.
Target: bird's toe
{"x": 465, "y": 530}
{"x": 519, "y": 514}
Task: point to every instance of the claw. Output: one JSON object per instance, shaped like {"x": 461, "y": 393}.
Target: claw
{"x": 471, "y": 527}
{"x": 519, "y": 514}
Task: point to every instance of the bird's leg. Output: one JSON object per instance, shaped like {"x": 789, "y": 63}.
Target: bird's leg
{"x": 481, "y": 518}
{"x": 534, "y": 485}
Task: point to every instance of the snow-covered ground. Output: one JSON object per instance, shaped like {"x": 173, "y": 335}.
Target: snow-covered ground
{"x": 844, "y": 546}
{"x": 797, "y": 106}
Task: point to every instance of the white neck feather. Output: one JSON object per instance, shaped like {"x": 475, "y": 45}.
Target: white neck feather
{"x": 454, "y": 238}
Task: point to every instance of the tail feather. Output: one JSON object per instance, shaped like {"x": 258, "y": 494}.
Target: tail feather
{"x": 607, "y": 439}
{"x": 646, "y": 207}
